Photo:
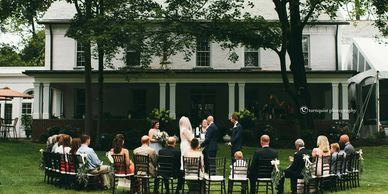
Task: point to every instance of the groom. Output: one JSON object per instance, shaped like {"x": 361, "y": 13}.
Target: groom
{"x": 210, "y": 142}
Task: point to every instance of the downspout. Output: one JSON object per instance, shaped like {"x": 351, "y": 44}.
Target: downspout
{"x": 51, "y": 47}
{"x": 336, "y": 49}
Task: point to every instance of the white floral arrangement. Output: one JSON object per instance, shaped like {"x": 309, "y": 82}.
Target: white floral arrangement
{"x": 161, "y": 137}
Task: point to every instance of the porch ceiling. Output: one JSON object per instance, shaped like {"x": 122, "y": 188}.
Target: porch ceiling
{"x": 186, "y": 76}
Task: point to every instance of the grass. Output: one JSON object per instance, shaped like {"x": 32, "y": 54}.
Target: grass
{"x": 20, "y": 173}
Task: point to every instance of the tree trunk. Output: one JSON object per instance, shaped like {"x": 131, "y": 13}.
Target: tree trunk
{"x": 100, "y": 120}
{"x": 88, "y": 75}
{"x": 298, "y": 69}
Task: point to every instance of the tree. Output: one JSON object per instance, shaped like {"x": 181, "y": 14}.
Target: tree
{"x": 33, "y": 52}
{"x": 9, "y": 56}
{"x": 22, "y": 12}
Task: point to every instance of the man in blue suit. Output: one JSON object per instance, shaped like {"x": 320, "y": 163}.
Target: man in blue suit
{"x": 210, "y": 143}
{"x": 236, "y": 139}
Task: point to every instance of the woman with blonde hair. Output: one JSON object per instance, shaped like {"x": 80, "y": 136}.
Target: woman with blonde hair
{"x": 323, "y": 150}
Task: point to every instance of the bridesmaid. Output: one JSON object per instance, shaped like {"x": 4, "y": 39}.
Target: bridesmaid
{"x": 154, "y": 131}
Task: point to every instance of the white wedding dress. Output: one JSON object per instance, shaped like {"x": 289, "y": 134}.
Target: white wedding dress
{"x": 186, "y": 135}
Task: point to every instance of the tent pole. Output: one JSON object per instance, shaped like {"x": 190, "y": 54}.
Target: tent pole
{"x": 377, "y": 102}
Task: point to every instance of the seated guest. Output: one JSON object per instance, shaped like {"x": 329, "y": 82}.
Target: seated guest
{"x": 94, "y": 164}
{"x": 195, "y": 151}
{"x": 349, "y": 149}
{"x": 50, "y": 143}
{"x": 294, "y": 172}
{"x": 239, "y": 161}
{"x": 57, "y": 142}
{"x": 146, "y": 150}
{"x": 323, "y": 149}
{"x": 335, "y": 151}
{"x": 263, "y": 153}
{"x": 64, "y": 145}
{"x": 118, "y": 148}
{"x": 75, "y": 145}
{"x": 170, "y": 151}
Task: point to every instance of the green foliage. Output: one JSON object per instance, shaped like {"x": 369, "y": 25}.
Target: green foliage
{"x": 33, "y": 52}
{"x": 246, "y": 118}
{"x": 161, "y": 115}
{"x": 27, "y": 124}
{"x": 9, "y": 56}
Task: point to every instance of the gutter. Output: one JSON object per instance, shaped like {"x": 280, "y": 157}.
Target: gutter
{"x": 51, "y": 47}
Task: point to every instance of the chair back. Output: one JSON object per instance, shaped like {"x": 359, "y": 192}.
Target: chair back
{"x": 192, "y": 166}
{"x": 15, "y": 121}
{"x": 56, "y": 161}
{"x": 47, "y": 160}
{"x": 165, "y": 166}
{"x": 349, "y": 162}
{"x": 217, "y": 166}
{"x": 142, "y": 165}
{"x": 321, "y": 165}
{"x": 240, "y": 169}
{"x": 264, "y": 168}
{"x": 119, "y": 164}
{"x": 356, "y": 161}
{"x": 338, "y": 166}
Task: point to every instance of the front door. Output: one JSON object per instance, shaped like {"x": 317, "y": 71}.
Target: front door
{"x": 202, "y": 105}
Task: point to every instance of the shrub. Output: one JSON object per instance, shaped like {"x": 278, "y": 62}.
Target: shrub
{"x": 57, "y": 130}
{"x": 246, "y": 118}
{"x": 161, "y": 115}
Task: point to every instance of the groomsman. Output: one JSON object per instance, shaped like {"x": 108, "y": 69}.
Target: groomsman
{"x": 210, "y": 143}
{"x": 236, "y": 139}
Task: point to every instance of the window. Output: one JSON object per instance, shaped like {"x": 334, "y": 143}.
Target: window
{"x": 79, "y": 104}
{"x": 8, "y": 114}
{"x": 133, "y": 57}
{"x": 26, "y": 108}
{"x": 251, "y": 57}
{"x": 203, "y": 52}
{"x": 81, "y": 59}
{"x": 306, "y": 49}
{"x": 361, "y": 62}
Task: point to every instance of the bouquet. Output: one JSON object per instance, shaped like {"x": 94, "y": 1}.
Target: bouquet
{"x": 161, "y": 138}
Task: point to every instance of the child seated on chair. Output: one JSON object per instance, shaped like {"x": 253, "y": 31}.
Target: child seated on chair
{"x": 240, "y": 165}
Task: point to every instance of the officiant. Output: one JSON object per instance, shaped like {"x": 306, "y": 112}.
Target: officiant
{"x": 236, "y": 139}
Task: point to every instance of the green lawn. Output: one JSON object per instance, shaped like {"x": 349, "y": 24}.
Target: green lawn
{"x": 20, "y": 173}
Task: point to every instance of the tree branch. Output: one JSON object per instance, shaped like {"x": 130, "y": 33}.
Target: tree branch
{"x": 311, "y": 12}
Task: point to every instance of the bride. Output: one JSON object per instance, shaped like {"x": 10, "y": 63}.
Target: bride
{"x": 186, "y": 134}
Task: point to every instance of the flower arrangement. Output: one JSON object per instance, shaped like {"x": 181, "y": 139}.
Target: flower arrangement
{"x": 277, "y": 174}
{"x": 161, "y": 138}
{"x": 307, "y": 171}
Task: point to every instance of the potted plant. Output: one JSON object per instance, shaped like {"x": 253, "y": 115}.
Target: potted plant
{"x": 27, "y": 124}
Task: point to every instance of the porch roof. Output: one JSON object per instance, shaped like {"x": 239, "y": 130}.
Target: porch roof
{"x": 202, "y": 75}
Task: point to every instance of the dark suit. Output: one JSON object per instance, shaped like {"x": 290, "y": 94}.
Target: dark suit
{"x": 265, "y": 153}
{"x": 176, "y": 160}
{"x": 210, "y": 144}
{"x": 294, "y": 172}
{"x": 236, "y": 140}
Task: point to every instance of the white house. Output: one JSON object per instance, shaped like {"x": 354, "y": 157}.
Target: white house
{"x": 14, "y": 78}
{"x": 208, "y": 84}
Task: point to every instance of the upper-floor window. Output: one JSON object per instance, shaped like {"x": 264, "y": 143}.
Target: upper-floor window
{"x": 251, "y": 57}
{"x": 306, "y": 50}
{"x": 203, "y": 52}
{"x": 132, "y": 57}
{"x": 81, "y": 59}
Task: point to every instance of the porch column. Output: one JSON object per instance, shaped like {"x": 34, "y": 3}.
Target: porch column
{"x": 46, "y": 100}
{"x": 162, "y": 95}
{"x": 172, "y": 100}
{"x": 241, "y": 95}
{"x": 37, "y": 102}
{"x": 335, "y": 115}
{"x": 345, "y": 111}
{"x": 231, "y": 98}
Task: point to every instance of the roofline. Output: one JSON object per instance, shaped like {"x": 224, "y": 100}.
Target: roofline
{"x": 322, "y": 22}
{"x": 181, "y": 71}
